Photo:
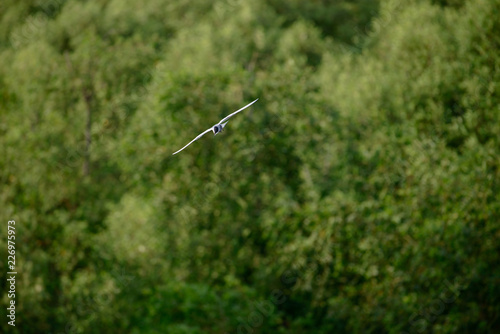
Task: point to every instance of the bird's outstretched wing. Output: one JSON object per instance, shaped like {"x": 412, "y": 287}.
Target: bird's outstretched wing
{"x": 197, "y": 137}
{"x": 237, "y": 111}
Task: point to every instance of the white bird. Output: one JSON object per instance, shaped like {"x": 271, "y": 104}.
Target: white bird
{"x": 217, "y": 127}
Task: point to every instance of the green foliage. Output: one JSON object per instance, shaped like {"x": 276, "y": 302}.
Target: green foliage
{"x": 359, "y": 194}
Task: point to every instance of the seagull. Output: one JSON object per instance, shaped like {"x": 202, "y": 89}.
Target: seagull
{"x": 217, "y": 127}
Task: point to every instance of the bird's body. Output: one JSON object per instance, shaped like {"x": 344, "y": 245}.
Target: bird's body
{"x": 217, "y": 127}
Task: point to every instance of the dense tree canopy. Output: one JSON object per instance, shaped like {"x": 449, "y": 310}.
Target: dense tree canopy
{"x": 360, "y": 194}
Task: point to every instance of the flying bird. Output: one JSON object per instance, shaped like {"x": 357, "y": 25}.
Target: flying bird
{"x": 217, "y": 127}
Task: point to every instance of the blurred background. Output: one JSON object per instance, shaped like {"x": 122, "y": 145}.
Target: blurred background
{"x": 360, "y": 194}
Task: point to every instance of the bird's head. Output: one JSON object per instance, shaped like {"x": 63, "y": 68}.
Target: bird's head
{"x": 216, "y": 129}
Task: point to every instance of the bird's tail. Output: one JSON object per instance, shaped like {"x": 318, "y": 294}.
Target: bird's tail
{"x": 223, "y": 125}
